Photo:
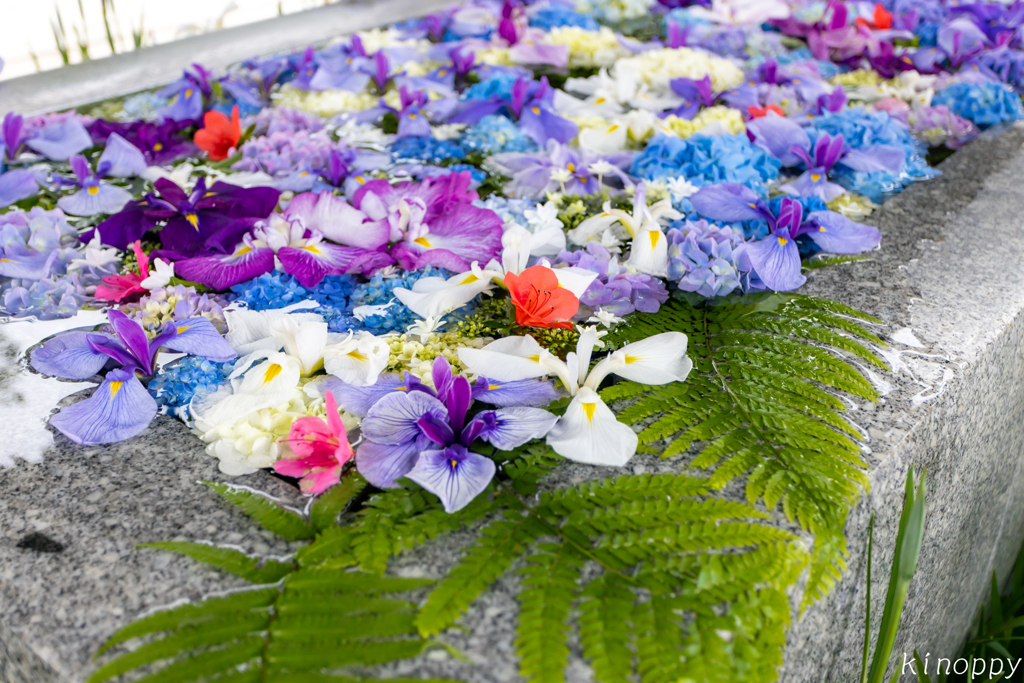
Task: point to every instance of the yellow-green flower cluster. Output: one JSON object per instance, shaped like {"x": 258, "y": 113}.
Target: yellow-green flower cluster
{"x": 416, "y": 355}
{"x": 852, "y": 205}
{"x": 860, "y": 77}
{"x": 729, "y": 118}
{"x": 325, "y": 103}
{"x": 658, "y": 67}
{"x": 167, "y": 304}
{"x": 588, "y": 48}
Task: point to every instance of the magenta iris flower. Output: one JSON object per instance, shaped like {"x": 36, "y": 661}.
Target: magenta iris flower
{"x": 426, "y": 434}
{"x": 120, "y": 407}
{"x": 776, "y": 259}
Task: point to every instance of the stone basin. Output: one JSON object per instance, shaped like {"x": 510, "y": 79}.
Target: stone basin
{"x": 947, "y": 283}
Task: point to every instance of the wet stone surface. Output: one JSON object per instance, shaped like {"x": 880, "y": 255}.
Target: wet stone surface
{"x": 947, "y": 283}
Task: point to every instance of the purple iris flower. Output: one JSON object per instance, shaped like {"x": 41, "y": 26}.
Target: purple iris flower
{"x": 95, "y": 196}
{"x": 788, "y": 142}
{"x": 58, "y": 140}
{"x": 199, "y": 221}
{"x": 530, "y": 104}
{"x": 412, "y": 117}
{"x": 160, "y": 143}
{"x": 776, "y": 259}
{"x": 187, "y": 95}
{"x": 120, "y": 407}
{"x": 425, "y": 435}
{"x": 960, "y": 38}
{"x": 531, "y": 172}
{"x": 697, "y": 94}
{"x": 16, "y": 185}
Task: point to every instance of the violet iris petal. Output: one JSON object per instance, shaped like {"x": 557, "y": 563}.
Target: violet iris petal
{"x": 29, "y": 264}
{"x": 68, "y": 356}
{"x": 222, "y": 271}
{"x": 95, "y": 197}
{"x": 120, "y": 159}
{"x": 198, "y": 337}
{"x": 119, "y": 409}
{"x": 512, "y": 427}
{"x": 359, "y": 400}
{"x": 11, "y": 134}
{"x": 777, "y": 135}
{"x": 436, "y": 429}
{"x": 871, "y": 158}
{"x": 383, "y": 464}
{"x": 132, "y": 335}
{"x": 58, "y": 141}
{"x": 16, "y": 185}
{"x": 469, "y": 232}
{"x": 112, "y": 348}
{"x": 129, "y": 224}
{"x": 776, "y": 259}
{"x": 454, "y": 475}
{"x": 337, "y": 220}
{"x": 727, "y": 202}
{"x": 542, "y": 125}
{"x": 814, "y": 183}
{"x": 525, "y": 392}
{"x": 837, "y": 234}
{"x": 392, "y": 420}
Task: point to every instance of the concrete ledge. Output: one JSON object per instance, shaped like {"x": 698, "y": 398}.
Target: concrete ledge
{"x": 150, "y": 67}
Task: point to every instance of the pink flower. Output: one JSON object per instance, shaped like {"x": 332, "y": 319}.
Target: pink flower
{"x": 118, "y": 287}
{"x": 321, "y": 449}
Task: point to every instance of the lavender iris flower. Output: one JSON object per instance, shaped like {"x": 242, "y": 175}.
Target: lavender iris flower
{"x": 425, "y": 435}
{"x": 94, "y": 196}
{"x": 58, "y": 140}
{"x": 776, "y": 259}
{"x": 530, "y": 104}
{"x": 160, "y": 143}
{"x": 699, "y": 93}
{"x": 120, "y": 408}
{"x": 187, "y": 95}
{"x": 200, "y": 221}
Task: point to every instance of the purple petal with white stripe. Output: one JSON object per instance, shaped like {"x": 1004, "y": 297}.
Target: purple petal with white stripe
{"x": 383, "y": 464}
{"x": 837, "y": 234}
{"x": 776, "y": 260}
{"x": 68, "y": 356}
{"x": 315, "y": 261}
{"x": 119, "y": 409}
{"x": 95, "y": 198}
{"x": 198, "y": 337}
{"x": 526, "y": 392}
{"x": 392, "y": 420}
{"x": 512, "y": 427}
{"x": 454, "y": 475}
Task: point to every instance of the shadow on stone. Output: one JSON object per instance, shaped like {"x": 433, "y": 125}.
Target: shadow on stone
{"x": 41, "y": 543}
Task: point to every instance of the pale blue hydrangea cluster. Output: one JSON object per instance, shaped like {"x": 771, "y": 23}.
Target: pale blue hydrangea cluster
{"x": 277, "y": 290}
{"x": 616, "y": 289}
{"x": 143, "y": 106}
{"x": 707, "y": 159}
{"x": 510, "y": 209}
{"x": 495, "y": 134}
{"x": 710, "y": 260}
{"x": 427, "y": 150}
{"x": 860, "y": 127}
{"x": 614, "y": 11}
{"x": 74, "y": 274}
{"x": 554, "y": 15}
{"x": 984, "y": 103}
{"x": 178, "y": 382}
{"x": 379, "y": 291}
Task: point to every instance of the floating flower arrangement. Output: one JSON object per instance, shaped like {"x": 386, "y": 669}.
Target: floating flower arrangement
{"x": 408, "y": 257}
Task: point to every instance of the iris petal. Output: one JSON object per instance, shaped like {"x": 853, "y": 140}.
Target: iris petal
{"x": 119, "y": 409}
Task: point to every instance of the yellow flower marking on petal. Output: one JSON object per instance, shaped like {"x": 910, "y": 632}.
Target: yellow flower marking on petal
{"x": 535, "y": 110}
{"x": 312, "y": 248}
{"x": 571, "y": 167}
{"x": 158, "y": 146}
{"x": 454, "y": 464}
{"x": 182, "y": 329}
{"x": 93, "y": 190}
{"x": 243, "y": 250}
{"x": 193, "y": 219}
{"x": 752, "y": 206}
{"x": 188, "y": 93}
{"x": 535, "y": 358}
{"x": 613, "y": 129}
{"x": 422, "y": 241}
{"x": 361, "y": 180}
{"x": 492, "y": 387}
{"x": 114, "y": 388}
{"x": 783, "y": 241}
{"x": 588, "y": 408}
{"x": 469, "y": 279}
{"x": 356, "y": 355}
{"x": 653, "y": 235}
{"x": 600, "y": 100}
{"x": 815, "y": 177}
{"x": 821, "y": 228}
{"x": 273, "y": 371}
{"x": 412, "y": 116}
{"x": 631, "y": 359}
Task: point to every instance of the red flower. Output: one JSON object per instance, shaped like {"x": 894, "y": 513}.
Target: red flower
{"x": 882, "y": 20}
{"x": 540, "y": 301}
{"x": 758, "y": 112}
{"x": 219, "y": 136}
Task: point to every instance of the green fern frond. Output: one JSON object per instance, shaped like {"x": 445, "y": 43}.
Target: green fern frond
{"x": 761, "y": 401}
{"x": 333, "y": 501}
{"x": 278, "y": 630}
{"x": 286, "y": 524}
{"x": 606, "y": 613}
{"x": 826, "y": 261}
{"x": 250, "y": 568}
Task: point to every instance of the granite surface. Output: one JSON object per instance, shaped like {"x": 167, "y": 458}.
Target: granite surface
{"x": 948, "y": 284}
